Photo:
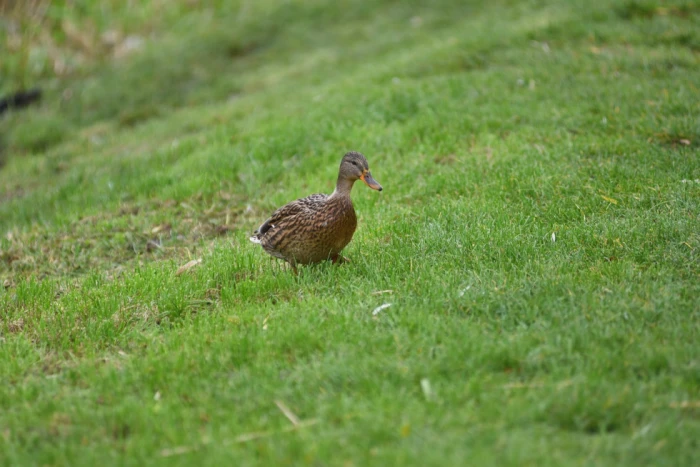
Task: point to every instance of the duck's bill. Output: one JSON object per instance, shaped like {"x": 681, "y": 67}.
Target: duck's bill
{"x": 371, "y": 182}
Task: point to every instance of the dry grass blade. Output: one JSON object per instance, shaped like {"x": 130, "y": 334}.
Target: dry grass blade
{"x": 176, "y": 451}
{"x": 685, "y": 405}
{"x": 287, "y": 412}
{"x": 262, "y": 434}
{"x": 381, "y": 292}
{"x": 187, "y": 266}
{"x": 379, "y": 309}
{"x": 559, "y": 385}
{"x": 522, "y": 385}
{"x": 244, "y": 438}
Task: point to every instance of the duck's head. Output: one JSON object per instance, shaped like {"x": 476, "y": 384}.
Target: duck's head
{"x": 354, "y": 167}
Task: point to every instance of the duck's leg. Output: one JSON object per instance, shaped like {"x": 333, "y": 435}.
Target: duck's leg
{"x": 294, "y": 268}
{"x": 339, "y": 259}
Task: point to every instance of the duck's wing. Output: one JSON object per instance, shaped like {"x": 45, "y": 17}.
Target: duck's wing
{"x": 303, "y": 206}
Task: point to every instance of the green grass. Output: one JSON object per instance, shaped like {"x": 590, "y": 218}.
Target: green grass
{"x": 537, "y": 237}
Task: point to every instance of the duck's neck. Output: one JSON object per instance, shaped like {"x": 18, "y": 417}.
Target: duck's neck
{"x": 343, "y": 187}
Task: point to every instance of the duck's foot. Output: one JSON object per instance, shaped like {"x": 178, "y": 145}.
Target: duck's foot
{"x": 340, "y": 259}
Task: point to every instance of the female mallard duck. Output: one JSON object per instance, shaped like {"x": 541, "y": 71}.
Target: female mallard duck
{"x": 318, "y": 227}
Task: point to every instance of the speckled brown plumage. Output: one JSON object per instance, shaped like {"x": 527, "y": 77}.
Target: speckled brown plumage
{"x": 318, "y": 227}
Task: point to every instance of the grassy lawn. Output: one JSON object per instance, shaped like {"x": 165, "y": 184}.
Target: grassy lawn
{"x": 537, "y": 241}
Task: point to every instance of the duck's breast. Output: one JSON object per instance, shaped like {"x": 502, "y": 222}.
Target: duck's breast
{"x": 341, "y": 224}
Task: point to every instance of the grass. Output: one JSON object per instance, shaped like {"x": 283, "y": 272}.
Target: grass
{"x": 537, "y": 237}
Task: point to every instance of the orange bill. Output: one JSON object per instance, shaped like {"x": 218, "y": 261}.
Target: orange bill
{"x": 370, "y": 182}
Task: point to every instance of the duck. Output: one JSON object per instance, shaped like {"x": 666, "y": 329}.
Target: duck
{"x": 317, "y": 228}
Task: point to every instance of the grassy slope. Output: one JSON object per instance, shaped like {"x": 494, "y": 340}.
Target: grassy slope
{"x": 494, "y": 128}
